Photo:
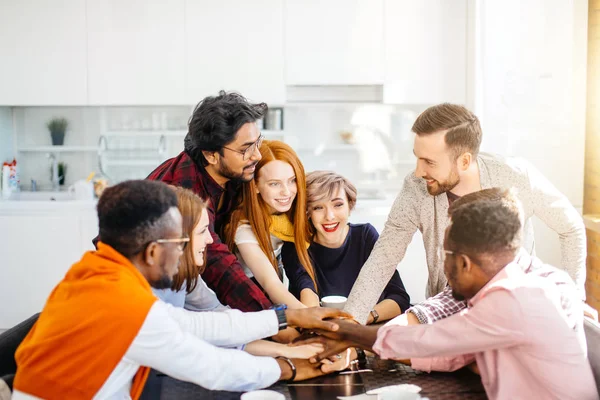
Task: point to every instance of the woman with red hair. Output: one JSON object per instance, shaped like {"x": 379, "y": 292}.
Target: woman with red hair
{"x": 272, "y": 211}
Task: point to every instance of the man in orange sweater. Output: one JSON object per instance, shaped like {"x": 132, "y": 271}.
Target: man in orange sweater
{"x": 102, "y": 328}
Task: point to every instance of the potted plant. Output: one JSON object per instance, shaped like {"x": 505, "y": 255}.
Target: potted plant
{"x": 58, "y": 127}
{"x": 62, "y": 172}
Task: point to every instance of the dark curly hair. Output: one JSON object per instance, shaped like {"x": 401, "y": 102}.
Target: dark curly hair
{"x": 487, "y": 228}
{"x": 215, "y": 122}
{"x": 132, "y": 214}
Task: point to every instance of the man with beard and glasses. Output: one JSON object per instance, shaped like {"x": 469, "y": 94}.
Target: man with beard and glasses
{"x": 515, "y": 324}
{"x": 220, "y": 153}
{"x": 449, "y": 165}
{"x": 102, "y": 328}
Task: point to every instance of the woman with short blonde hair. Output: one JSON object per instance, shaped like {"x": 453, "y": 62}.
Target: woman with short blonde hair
{"x": 338, "y": 248}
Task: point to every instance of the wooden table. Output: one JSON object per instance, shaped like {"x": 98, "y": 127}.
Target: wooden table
{"x": 462, "y": 384}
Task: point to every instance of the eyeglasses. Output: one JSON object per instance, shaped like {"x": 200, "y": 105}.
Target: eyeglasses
{"x": 442, "y": 254}
{"x": 181, "y": 242}
{"x": 246, "y": 154}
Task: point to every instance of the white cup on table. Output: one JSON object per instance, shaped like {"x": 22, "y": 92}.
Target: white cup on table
{"x": 263, "y": 395}
{"x": 334, "y": 302}
{"x": 398, "y": 395}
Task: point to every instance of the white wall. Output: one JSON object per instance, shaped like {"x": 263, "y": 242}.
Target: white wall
{"x": 6, "y": 135}
{"x": 530, "y": 92}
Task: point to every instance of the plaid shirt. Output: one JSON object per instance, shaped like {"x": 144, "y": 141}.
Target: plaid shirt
{"x": 223, "y": 273}
{"x": 444, "y": 305}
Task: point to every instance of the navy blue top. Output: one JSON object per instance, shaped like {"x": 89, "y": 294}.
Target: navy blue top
{"x": 337, "y": 269}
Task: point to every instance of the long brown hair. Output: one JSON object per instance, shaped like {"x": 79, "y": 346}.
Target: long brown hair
{"x": 191, "y": 208}
{"x": 253, "y": 208}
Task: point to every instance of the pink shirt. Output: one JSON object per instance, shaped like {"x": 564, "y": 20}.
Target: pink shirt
{"x": 516, "y": 329}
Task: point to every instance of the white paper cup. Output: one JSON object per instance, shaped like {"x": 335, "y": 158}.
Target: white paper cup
{"x": 398, "y": 395}
{"x": 263, "y": 395}
{"x": 334, "y": 302}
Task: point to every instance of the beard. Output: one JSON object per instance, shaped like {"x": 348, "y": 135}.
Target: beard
{"x": 165, "y": 282}
{"x": 452, "y": 279}
{"x": 457, "y": 296}
{"x": 447, "y": 185}
{"x": 230, "y": 174}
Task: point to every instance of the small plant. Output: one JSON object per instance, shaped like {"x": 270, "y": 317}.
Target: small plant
{"x": 58, "y": 125}
{"x": 62, "y": 171}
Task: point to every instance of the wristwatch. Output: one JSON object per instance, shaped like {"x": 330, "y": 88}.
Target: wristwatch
{"x": 280, "y": 312}
{"x": 374, "y": 315}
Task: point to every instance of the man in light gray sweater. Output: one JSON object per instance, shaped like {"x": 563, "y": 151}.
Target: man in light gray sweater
{"x": 449, "y": 166}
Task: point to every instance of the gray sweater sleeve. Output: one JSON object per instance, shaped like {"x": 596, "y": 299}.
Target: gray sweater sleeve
{"x": 389, "y": 250}
{"x": 555, "y": 210}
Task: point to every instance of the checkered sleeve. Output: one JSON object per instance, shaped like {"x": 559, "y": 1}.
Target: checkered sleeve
{"x": 438, "y": 307}
{"x": 225, "y": 276}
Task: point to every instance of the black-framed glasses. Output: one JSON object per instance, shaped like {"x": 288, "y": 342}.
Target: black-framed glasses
{"x": 246, "y": 154}
{"x": 181, "y": 242}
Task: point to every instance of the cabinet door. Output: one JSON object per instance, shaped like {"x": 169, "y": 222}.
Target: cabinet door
{"x": 136, "y": 52}
{"x": 37, "y": 251}
{"x": 43, "y": 53}
{"x": 235, "y": 45}
{"x": 425, "y": 51}
{"x": 334, "y": 42}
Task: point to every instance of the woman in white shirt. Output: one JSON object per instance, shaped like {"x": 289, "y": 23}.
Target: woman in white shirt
{"x": 272, "y": 211}
{"x": 189, "y": 290}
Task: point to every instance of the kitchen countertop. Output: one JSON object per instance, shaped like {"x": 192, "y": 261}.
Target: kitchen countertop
{"x": 28, "y": 207}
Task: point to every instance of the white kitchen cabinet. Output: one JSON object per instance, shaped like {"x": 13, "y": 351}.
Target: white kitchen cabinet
{"x": 235, "y": 45}
{"x": 43, "y": 52}
{"x": 39, "y": 241}
{"x": 425, "y": 51}
{"x": 334, "y": 42}
{"x": 136, "y": 52}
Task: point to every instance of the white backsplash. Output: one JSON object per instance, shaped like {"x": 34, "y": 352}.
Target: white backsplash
{"x": 380, "y": 156}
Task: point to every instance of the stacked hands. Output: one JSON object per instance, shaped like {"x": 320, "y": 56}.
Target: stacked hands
{"x": 322, "y": 347}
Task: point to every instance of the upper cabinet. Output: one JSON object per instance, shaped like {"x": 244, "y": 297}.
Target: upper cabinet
{"x": 151, "y": 52}
{"x": 425, "y": 51}
{"x": 334, "y": 42}
{"x": 43, "y": 52}
{"x": 235, "y": 45}
{"x": 136, "y": 52}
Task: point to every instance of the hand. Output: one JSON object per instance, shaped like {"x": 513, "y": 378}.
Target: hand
{"x": 339, "y": 362}
{"x": 313, "y": 318}
{"x": 331, "y": 347}
{"x": 304, "y": 351}
{"x": 306, "y": 370}
{"x": 286, "y": 335}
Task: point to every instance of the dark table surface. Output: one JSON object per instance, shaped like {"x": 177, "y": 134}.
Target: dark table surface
{"x": 461, "y": 384}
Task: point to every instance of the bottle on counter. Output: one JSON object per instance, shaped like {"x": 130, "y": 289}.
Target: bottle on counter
{"x": 10, "y": 178}
{"x": 5, "y": 178}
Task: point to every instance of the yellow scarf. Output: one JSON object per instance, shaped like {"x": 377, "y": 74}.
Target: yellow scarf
{"x": 282, "y": 228}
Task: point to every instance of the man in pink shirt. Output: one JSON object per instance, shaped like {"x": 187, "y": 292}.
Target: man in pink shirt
{"x": 514, "y": 325}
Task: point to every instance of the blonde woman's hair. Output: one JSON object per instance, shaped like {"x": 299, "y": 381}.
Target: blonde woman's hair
{"x": 253, "y": 208}
{"x": 323, "y": 185}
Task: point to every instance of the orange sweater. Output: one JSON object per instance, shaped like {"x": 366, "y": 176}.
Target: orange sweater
{"x": 87, "y": 325}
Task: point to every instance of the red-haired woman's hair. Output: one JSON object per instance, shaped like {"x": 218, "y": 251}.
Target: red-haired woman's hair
{"x": 253, "y": 208}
